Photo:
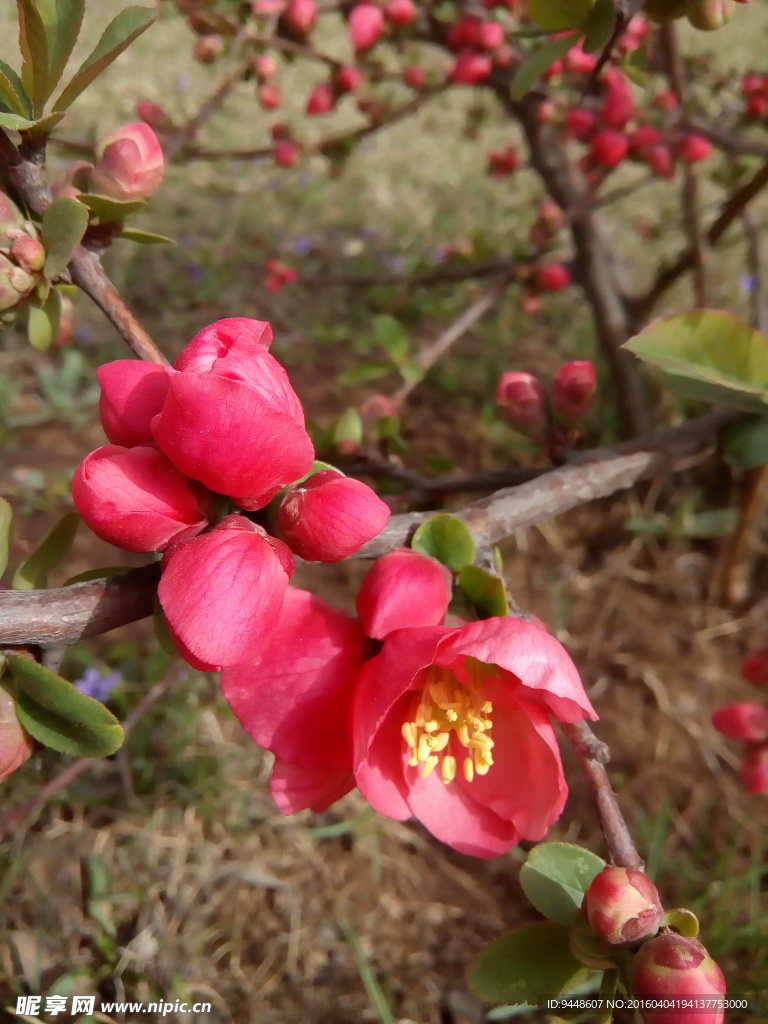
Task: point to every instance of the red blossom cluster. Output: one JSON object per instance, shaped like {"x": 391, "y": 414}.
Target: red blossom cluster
{"x": 194, "y": 448}
{"x": 754, "y": 89}
{"x": 446, "y": 724}
{"x": 748, "y": 721}
{"x": 552, "y": 417}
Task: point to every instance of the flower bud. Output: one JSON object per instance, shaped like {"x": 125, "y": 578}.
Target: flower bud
{"x": 580, "y": 124}
{"x": 153, "y": 115}
{"x": 15, "y": 742}
{"x": 285, "y": 152}
{"x": 321, "y": 99}
{"x": 330, "y": 516}
{"x": 694, "y": 148}
{"x": 136, "y": 499}
{"x": 366, "y": 23}
{"x": 709, "y": 15}
{"x": 132, "y": 394}
{"x": 622, "y": 906}
{"x": 15, "y": 283}
{"x": 573, "y": 391}
{"x": 348, "y": 79}
{"x": 618, "y": 106}
{"x": 551, "y": 277}
{"x": 404, "y": 588}
{"x": 471, "y": 68}
{"x": 608, "y": 148}
{"x": 673, "y": 965}
{"x": 747, "y": 721}
{"x": 300, "y": 15}
{"x": 400, "y": 12}
{"x": 27, "y": 252}
{"x": 521, "y": 401}
{"x": 754, "y": 769}
{"x": 754, "y": 667}
{"x": 415, "y": 77}
{"x": 129, "y": 163}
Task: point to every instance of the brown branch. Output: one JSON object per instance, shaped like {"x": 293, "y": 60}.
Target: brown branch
{"x": 25, "y": 169}
{"x": 593, "y": 755}
{"x": 643, "y": 305}
{"x": 50, "y": 618}
{"x": 729, "y": 142}
{"x": 438, "y": 275}
{"x": 182, "y": 138}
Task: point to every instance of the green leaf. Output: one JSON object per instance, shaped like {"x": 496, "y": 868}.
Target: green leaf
{"x": 599, "y": 26}
{"x": 6, "y": 533}
{"x": 13, "y": 92}
{"x": 58, "y": 715}
{"x": 63, "y": 227}
{"x": 144, "y": 237}
{"x": 348, "y": 427}
{"x": 537, "y": 62}
{"x": 745, "y": 443}
{"x": 33, "y": 43}
{"x": 32, "y": 574}
{"x": 555, "y": 15}
{"x": 63, "y": 20}
{"x": 110, "y": 211}
{"x": 362, "y": 374}
{"x": 390, "y": 335}
{"x": 118, "y": 35}
{"x": 447, "y": 539}
{"x": 484, "y": 589}
{"x": 526, "y": 965}
{"x": 43, "y": 321}
{"x": 713, "y": 356}
{"x": 556, "y": 876}
{"x": 683, "y": 921}
{"x": 38, "y": 126}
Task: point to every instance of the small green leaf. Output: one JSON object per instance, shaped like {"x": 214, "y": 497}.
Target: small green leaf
{"x": 537, "y": 62}
{"x": 33, "y": 43}
{"x": 556, "y": 876}
{"x": 111, "y": 211}
{"x": 526, "y": 965}
{"x": 362, "y": 374}
{"x": 712, "y": 356}
{"x": 38, "y": 126}
{"x": 348, "y": 428}
{"x": 63, "y": 20}
{"x": 16, "y": 122}
{"x": 13, "y": 92}
{"x": 118, "y": 35}
{"x": 6, "y": 533}
{"x": 390, "y": 335}
{"x": 745, "y": 443}
{"x": 555, "y": 15}
{"x": 144, "y": 237}
{"x": 58, "y": 715}
{"x": 599, "y": 26}
{"x": 683, "y": 921}
{"x": 447, "y": 539}
{"x": 32, "y": 574}
{"x": 63, "y": 227}
{"x": 43, "y": 321}
{"x": 484, "y": 589}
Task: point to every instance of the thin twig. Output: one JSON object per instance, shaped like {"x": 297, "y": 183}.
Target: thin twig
{"x": 179, "y": 142}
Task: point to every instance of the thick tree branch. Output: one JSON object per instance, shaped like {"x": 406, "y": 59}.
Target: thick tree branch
{"x": 50, "y": 618}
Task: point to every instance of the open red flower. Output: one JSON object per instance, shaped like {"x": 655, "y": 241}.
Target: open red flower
{"x": 452, "y": 727}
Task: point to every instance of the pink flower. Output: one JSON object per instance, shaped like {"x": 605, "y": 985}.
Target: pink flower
{"x": 521, "y": 401}
{"x": 222, "y": 593}
{"x": 673, "y": 965}
{"x": 231, "y": 418}
{"x": 404, "y": 588}
{"x": 573, "y": 391}
{"x": 132, "y": 394}
{"x": 366, "y": 23}
{"x": 136, "y": 499}
{"x": 747, "y": 721}
{"x": 295, "y": 698}
{"x": 15, "y": 742}
{"x": 330, "y": 516}
{"x": 622, "y": 906}
{"x": 451, "y": 726}
{"x": 129, "y": 163}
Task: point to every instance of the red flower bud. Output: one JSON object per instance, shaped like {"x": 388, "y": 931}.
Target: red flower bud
{"x": 471, "y": 68}
{"x": 285, "y": 152}
{"x": 579, "y": 62}
{"x": 551, "y": 277}
{"x": 573, "y": 391}
{"x": 520, "y": 400}
{"x": 270, "y": 97}
{"x": 400, "y": 13}
{"x": 661, "y": 161}
{"x": 15, "y": 742}
{"x": 366, "y": 23}
{"x": 580, "y": 124}
{"x": 403, "y": 589}
{"x": 132, "y": 393}
{"x": 264, "y": 66}
{"x": 747, "y": 721}
{"x": 608, "y": 148}
{"x": 666, "y": 100}
{"x": 300, "y": 15}
{"x": 321, "y": 99}
{"x": 152, "y": 114}
{"x": 754, "y": 667}
{"x": 136, "y": 499}
{"x": 330, "y": 516}
{"x": 415, "y": 77}
{"x": 349, "y": 79}
{"x": 673, "y": 965}
{"x": 694, "y": 148}
{"x": 754, "y": 769}
{"x": 622, "y": 906}
{"x": 643, "y": 139}
{"x": 618, "y": 106}
{"x": 129, "y": 163}
{"x": 26, "y": 251}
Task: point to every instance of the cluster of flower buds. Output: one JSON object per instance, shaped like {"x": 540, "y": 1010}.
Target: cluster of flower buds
{"x": 623, "y": 911}
{"x": 748, "y": 721}
{"x": 553, "y": 417}
{"x": 502, "y": 162}
{"x": 129, "y": 165}
{"x": 754, "y": 89}
{"x": 613, "y": 130}
{"x": 278, "y": 275}
{"x": 195, "y": 445}
{"x": 22, "y": 255}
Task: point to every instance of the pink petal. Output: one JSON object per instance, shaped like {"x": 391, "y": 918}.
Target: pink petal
{"x": 237, "y": 335}
{"x": 132, "y": 393}
{"x": 404, "y": 588}
{"x": 295, "y": 788}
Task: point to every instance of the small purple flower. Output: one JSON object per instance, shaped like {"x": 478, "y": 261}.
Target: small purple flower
{"x": 438, "y": 254}
{"x": 392, "y": 262}
{"x": 183, "y": 82}
{"x": 93, "y": 684}
{"x": 83, "y": 334}
{"x": 305, "y": 178}
{"x": 303, "y": 245}
{"x": 746, "y": 284}
{"x": 194, "y": 272}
